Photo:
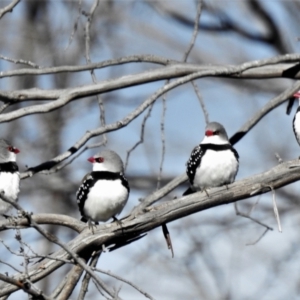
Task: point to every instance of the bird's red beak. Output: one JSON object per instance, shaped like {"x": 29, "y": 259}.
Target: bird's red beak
{"x": 91, "y": 159}
{"x": 16, "y": 151}
{"x": 209, "y": 133}
{"x": 297, "y": 94}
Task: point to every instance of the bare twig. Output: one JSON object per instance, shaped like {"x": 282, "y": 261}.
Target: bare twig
{"x": 112, "y": 62}
{"x": 70, "y": 283}
{"x": 25, "y": 286}
{"x": 264, "y": 111}
{"x": 8, "y": 8}
{"x": 10, "y": 265}
{"x": 109, "y": 273}
{"x": 87, "y": 277}
{"x": 200, "y": 98}
{"x": 276, "y": 213}
{"x": 163, "y": 140}
{"x": 239, "y": 213}
{"x": 75, "y": 26}
{"x": 88, "y": 60}
{"x": 261, "y": 236}
{"x": 21, "y": 61}
{"x": 141, "y": 140}
{"x": 195, "y": 31}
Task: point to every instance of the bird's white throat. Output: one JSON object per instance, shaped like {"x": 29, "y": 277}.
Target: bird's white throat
{"x": 214, "y": 139}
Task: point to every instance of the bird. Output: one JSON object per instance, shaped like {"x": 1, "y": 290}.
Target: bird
{"x": 296, "y": 120}
{"x": 9, "y": 175}
{"x": 103, "y": 192}
{"x": 214, "y": 162}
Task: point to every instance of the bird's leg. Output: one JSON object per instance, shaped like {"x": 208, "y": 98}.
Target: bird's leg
{"x": 91, "y": 225}
{"x": 119, "y": 222}
{"x": 205, "y": 192}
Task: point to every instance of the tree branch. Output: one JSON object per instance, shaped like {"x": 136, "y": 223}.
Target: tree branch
{"x": 136, "y": 224}
{"x": 8, "y": 8}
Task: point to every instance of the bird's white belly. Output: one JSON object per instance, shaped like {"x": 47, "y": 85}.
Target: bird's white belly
{"x": 297, "y": 127}
{"x": 9, "y": 183}
{"x": 105, "y": 200}
{"x": 216, "y": 169}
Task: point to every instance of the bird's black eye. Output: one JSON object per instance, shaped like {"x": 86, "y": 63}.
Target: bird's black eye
{"x": 99, "y": 159}
{"x": 11, "y": 149}
{"x": 217, "y": 132}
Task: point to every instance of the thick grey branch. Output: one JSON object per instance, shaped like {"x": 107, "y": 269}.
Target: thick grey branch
{"x": 53, "y": 219}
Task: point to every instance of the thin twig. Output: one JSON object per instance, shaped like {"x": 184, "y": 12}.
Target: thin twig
{"x": 109, "y": 273}
{"x": 70, "y": 284}
{"x": 261, "y": 236}
{"x": 148, "y": 58}
{"x": 75, "y": 25}
{"x": 195, "y": 31}
{"x": 88, "y": 60}
{"x": 239, "y": 213}
{"x": 21, "y": 61}
{"x": 141, "y": 140}
{"x": 200, "y": 98}
{"x": 87, "y": 277}
{"x": 8, "y": 8}
{"x": 25, "y": 286}
{"x": 163, "y": 140}
{"x": 276, "y": 101}
{"x": 276, "y": 213}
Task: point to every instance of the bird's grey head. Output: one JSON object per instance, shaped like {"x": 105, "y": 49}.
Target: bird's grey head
{"x": 215, "y": 133}
{"x": 107, "y": 160}
{"x": 7, "y": 151}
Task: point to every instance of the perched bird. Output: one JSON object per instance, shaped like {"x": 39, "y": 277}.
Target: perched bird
{"x": 296, "y": 120}
{"x": 103, "y": 192}
{"x": 9, "y": 174}
{"x": 214, "y": 162}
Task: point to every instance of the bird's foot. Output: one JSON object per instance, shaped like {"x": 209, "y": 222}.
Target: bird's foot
{"x": 205, "y": 192}
{"x": 91, "y": 225}
{"x": 119, "y": 222}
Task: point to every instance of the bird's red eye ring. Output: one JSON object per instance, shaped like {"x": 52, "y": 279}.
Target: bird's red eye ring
{"x": 13, "y": 149}
{"x": 209, "y": 132}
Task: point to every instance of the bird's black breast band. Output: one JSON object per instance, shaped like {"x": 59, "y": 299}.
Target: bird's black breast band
{"x": 9, "y": 167}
